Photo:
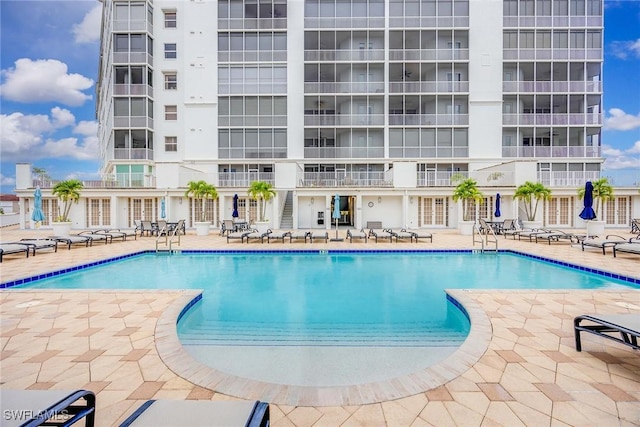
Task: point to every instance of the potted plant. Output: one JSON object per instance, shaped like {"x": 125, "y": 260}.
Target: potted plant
{"x": 201, "y": 190}
{"x": 467, "y": 191}
{"x": 531, "y": 193}
{"x": 68, "y": 192}
{"x": 262, "y": 192}
{"x": 602, "y": 192}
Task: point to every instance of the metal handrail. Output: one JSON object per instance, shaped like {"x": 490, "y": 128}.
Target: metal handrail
{"x": 169, "y": 236}
{"x": 487, "y": 235}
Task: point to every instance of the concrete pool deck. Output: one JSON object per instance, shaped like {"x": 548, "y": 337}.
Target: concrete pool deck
{"x": 526, "y": 372}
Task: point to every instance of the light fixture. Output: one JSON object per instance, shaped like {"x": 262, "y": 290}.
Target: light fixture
{"x": 379, "y": 199}
{"x": 180, "y": 200}
{"x": 313, "y": 200}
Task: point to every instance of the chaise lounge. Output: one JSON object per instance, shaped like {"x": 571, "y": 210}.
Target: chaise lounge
{"x": 631, "y": 247}
{"x": 278, "y": 235}
{"x": 357, "y": 234}
{"x": 420, "y": 234}
{"x": 622, "y": 328}
{"x": 13, "y": 248}
{"x": 37, "y": 244}
{"x": 47, "y": 407}
{"x": 386, "y": 234}
{"x": 72, "y": 240}
{"x": 602, "y": 243}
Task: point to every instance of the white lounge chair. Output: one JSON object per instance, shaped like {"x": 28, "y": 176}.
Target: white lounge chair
{"x": 357, "y": 234}
{"x": 603, "y": 243}
{"x": 37, "y": 244}
{"x": 318, "y": 235}
{"x": 632, "y": 247}
{"x": 624, "y": 327}
{"x": 13, "y": 248}
{"x": 279, "y": 235}
{"x": 46, "y": 407}
{"x": 383, "y": 234}
{"x": 420, "y": 234}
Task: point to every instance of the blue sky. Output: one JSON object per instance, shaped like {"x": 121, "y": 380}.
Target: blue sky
{"x": 49, "y": 65}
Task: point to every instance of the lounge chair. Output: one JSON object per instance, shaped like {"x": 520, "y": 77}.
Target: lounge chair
{"x": 258, "y": 236}
{"x": 239, "y": 235}
{"x": 37, "y": 244}
{"x": 608, "y": 240}
{"x": 376, "y": 233}
{"x": 47, "y": 407}
{"x": 603, "y": 325}
{"x": 147, "y": 227}
{"x": 402, "y": 235}
{"x": 13, "y": 248}
{"x": 96, "y": 237}
{"x": 318, "y": 235}
{"x": 200, "y": 413}
{"x": 357, "y": 234}
{"x": 299, "y": 235}
{"x": 635, "y": 225}
{"x": 531, "y": 232}
{"x": 117, "y": 233}
{"x": 420, "y": 234}
{"x": 72, "y": 240}
{"x": 513, "y": 229}
{"x": 278, "y": 235}
{"x": 556, "y": 236}
{"x": 631, "y": 247}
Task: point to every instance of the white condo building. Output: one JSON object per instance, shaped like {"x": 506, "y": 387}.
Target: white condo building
{"x": 384, "y": 102}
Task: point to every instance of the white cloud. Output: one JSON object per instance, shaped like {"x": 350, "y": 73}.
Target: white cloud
{"x": 88, "y": 31}
{"x": 26, "y": 138}
{"x": 625, "y": 49}
{"x": 44, "y": 80}
{"x": 7, "y": 180}
{"x": 621, "y": 159}
{"x": 619, "y": 120}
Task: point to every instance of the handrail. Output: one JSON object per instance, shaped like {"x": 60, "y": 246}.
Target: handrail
{"x": 487, "y": 235}
{"x": 169, "y": 236}
{"x": 162, "y": 233}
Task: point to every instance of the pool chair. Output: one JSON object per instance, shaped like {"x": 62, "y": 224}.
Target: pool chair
{"x": 382, "y": 234}
{"x": 602, "y": 243}
{"x": 357, "y": 234}
{"x": 117, "y": 233}
{"x": 148, "y": 228}
{"x": 621, "y": 328}
{"x": 420, "y": 234}
{"x": 96, "y": 237}
{"x": 258, "y": 236}
{"x": 324, "y": 235}
{"x": 278, "y": 235}
{"x": 37, "y": 244}
{"x": 556, "y": 236}
{"x": 512, "y": 228}
{"x": 13, "y": 248}
{"x": 72, "y": 240}
{"x": 531, "y": 232}
{"x": 193, "y": 413}
{"x": 631, "y": 247}
{"x": 635, "y": 225}
{"x": 299, "y": 235}
{"x": 47, "y": 407}
{"x": 239, "y": 235}
{"x": 402, "y": 235}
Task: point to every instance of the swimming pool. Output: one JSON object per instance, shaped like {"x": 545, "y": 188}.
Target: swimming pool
{"x": 326, "y": 318}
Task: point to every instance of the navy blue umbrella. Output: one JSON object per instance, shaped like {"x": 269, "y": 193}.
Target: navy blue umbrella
{"x": 235, "y": 206}
{"x": 588, "y": 213}
{"x": 163, "y": 209}
{"x": 497, "y": 212}
{"x": 336, "y": 211}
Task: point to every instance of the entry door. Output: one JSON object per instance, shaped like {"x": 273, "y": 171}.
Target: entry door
{"x": 616, "y": 211}
{"x": 433, "y": 211}
{"x": 99, "y": 212}
{"x": 142, "y": 209}
{"x": 559, "y": 212}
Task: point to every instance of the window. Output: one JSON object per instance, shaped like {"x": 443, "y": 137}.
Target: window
{"x": 171, "y": 112}
{"x": 170, "y": 19}
{"x": 170, "y": 51}
{"x": 171, "y": 143}
{"x": 170, "y": 81}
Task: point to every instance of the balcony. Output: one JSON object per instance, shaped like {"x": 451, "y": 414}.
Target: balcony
{"x": 346, "y": 22}
{"x": 563, "y": 119}
{"x": 547, "y": 86}
{"x": 428, "y": 54}
{"x": 252, "y": 56}
{"x": 252, "y": 120}
{"x": 343, "y": 152}
{"x": 244, "y": 179}
{"x": 559, "y": 152}
{"x": 428, "y": 21}
{"x": 567, "y": 178}
{"x": 344, "y": 55}
{"x": 429, "y": 87}
{"x": 440, "y": 179}
{"x": 133, "y": 89}
{"x": 132, "y": 122}
{"x": 428, "y": 119}
{"x": 116, "y": 180}
{"x": 346, "y": 179}
{"x": 344, "y": 87}
{"x": 343, "y": 119}
{"x": 252, "y": 23}
{"x": 133, "y": 154}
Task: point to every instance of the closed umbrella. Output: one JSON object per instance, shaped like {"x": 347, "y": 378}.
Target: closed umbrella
{"x": 163, "y": 209}
{"x": 37, "y": 215}
{"x": 235, "y": 206}
{"x": 336, "y": 211}
{"x": 497, "y": 212}
{"x": 587, "y": 212}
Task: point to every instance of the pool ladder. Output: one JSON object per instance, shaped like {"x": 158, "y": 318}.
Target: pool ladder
{"x": 485, "y": 237}
{"x": 168, "y": 237}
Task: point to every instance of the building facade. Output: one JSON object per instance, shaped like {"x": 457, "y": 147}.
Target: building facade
{"x": 385, "y": 102}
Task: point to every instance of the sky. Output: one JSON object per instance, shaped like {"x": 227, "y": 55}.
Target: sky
{"x": 49, "y": 66}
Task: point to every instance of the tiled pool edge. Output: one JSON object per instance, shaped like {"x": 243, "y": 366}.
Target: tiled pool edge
{"x": 17, "y": 282}
{"x": 177, "y": 359}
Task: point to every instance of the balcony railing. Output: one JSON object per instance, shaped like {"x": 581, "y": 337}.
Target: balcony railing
{"x": 428, "y": 21}
{"x": 244, "y": 179}
{"x": 333, "y": 22}
{"x": 552, "y": 119}
{"x": 582, "y": 151}
{"x": 343, "y": 152}
{"x": 117, "y": 180}
{"x": 429, "y": 119}
{"x": 343, "y": 119}
{"x": 252, "y": 120}
{"x": 566, "y": 178}
{"x": 132, "y": 122}
{"x": 344, "y": 87}
{"x": 428, "y": 54}
{"x": 252, "y": 56}
{"x": 131, "y": 89}
{"x": 345, "y": 179}
{"x": 251, "y": 23}
{"x": 133, "y": 154}
{"x": 555, "y": 21}
{"x": 428, "y": 87}
{"x": 440, "y": 179}
{"x": 344, "y": 55}
{"x": 564, "y": 86}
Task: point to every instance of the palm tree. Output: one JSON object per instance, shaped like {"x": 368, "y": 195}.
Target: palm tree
{"x": 262, "y": 192}
{"x": 602, "y": 192}
{"x": 201, "y": 190}
{"x": 467, "y": 191}
{"x": 530, "y": 192}
{"x": 69, "y": 192}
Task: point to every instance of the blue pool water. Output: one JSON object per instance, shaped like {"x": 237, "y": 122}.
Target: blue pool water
{"x": 327, "y": 299}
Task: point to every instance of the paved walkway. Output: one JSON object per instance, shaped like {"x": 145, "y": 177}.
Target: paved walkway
{"x": 527, "y": 372}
